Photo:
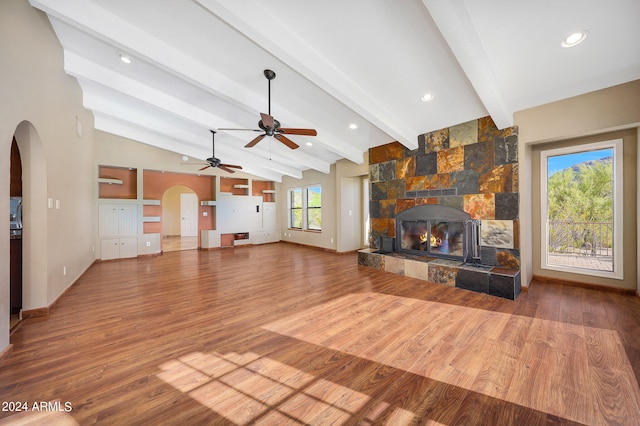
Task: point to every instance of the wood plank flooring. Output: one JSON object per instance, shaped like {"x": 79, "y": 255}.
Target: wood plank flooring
{"x": 282, "y": 334}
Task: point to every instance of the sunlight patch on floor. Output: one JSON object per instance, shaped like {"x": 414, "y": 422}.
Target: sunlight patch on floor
{"x": 249, "y": 389}
{"x": 477, "y": 350}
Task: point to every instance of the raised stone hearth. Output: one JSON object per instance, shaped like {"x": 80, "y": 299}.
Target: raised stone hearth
{"x": 492, "y": 280}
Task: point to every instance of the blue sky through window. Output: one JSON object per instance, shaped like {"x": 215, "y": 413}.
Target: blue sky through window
{"x": 560, "y": 162}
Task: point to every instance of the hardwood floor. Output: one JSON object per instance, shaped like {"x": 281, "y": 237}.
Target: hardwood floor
{"x": 282, "y": 334}
{"x": 177, "y": 243}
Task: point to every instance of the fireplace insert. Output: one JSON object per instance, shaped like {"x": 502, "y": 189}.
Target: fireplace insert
{"x": 437, "y": 231}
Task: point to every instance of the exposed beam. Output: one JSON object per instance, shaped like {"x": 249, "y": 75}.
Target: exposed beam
{"x": 87, "y": 70}
{"x": 458, "y": 28}
{"x": 96, "y": 21}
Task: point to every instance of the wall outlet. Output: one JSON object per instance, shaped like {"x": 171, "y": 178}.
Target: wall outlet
{"x": 205, "y": 214}
{"x": 148, "y": 243}
{"x": 331, "y": 240}
{"x": 64, "y": 270}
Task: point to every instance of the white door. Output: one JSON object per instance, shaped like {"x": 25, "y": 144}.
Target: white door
{"x": 188, "y": 214}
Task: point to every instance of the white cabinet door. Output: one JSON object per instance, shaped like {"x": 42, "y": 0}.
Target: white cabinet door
{"x": 119, "y": 224}
{"x": 108, "y": 220}
{"x": 110, "y": 248}
{"x": 269, "y": 219}
{"x": 128, "y": 220}
{"x": 259, "y": 237}
{"x": 114, "y": 220}
{"x": 128, "y": 247}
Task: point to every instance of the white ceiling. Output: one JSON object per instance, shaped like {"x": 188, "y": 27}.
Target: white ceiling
{"x": 198, "y": 65}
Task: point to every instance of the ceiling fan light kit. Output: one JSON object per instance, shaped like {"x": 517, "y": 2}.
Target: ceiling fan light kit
{"x": 271, "y": 127}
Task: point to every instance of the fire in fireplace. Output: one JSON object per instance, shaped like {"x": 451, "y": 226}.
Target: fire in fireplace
{"x": 433, "y": 237}
{"x": 436, "y": 231}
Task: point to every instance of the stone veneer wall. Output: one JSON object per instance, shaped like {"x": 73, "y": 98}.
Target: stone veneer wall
{"x": 474, "y": 160}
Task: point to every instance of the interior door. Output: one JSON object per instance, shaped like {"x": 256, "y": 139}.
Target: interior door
{"x": 188, "y": 214}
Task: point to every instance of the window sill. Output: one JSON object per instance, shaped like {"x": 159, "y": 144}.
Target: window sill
{"x": 313, "y": 231}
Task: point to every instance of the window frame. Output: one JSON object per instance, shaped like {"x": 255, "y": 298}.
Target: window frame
{"x": 305, "y": 209}
{"x": 293, "y": 208}
{"x": 617, "y": 161}
{"x": 309, "y": 208}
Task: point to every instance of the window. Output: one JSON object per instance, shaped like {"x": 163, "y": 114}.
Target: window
{"x": 581, "y": 209}
{"x": 314, "y": 208}
{"x": 295, "y": 202}
{"x": 305, "y": 208}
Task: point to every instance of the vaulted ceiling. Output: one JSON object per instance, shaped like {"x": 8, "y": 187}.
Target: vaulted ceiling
{"x": 198, "y": 65}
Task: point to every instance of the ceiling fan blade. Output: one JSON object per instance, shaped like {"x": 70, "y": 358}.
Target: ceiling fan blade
{"x": 267, "y": 120}
{"x": 226, "y": 169}
{"x": 245, "y": 130}
{"x": 255, "y": 141}
{"x": 231, "y": 165}
{"x": 285, "y": 140}
{"x": 205, "y": 167}
{"x": 304, "y": 132}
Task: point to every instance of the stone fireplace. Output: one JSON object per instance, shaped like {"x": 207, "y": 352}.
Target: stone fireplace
{"x": 447, "y": 212}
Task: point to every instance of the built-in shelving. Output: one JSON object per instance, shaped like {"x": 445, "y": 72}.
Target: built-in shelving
{"x": 151, "y": 219}
{"x": 151, "y": 202}
{"x": 110, "y": 181}
{"x": 208, "y": 202}
{"x": 117, "y": 182}
{"x": 235, "y": 186}
{"x": 264, "y": 188}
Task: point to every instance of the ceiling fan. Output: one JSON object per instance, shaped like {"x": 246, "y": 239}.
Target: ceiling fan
{"x": 271, "y": 127}
{"x": 216, "y": 162}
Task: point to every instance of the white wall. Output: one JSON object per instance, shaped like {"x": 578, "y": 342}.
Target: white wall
{"x": 597, "y": 113}
{"x": 42, "y": 106}
{"x": 326, "y": 238}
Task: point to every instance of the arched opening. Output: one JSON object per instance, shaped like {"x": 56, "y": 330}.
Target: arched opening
{"x": 179, "y": 219}
{"x": 34, "y": 217}
{"x": 15, "y": 235}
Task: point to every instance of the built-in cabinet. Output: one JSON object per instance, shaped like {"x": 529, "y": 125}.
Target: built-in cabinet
{"x": 245, "y": 214}
{"x": 117, "y": 230}
{"x": 239, "y": 211}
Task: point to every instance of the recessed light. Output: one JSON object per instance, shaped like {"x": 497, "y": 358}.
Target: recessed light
{"x": 353, "y": 126}
{"x": 185, "y": 158}
{"x": 126, "y": 59}
{"x": 309, "y": 144}
{"x": 574, "y": 39}
{"x": 427, "y": 97}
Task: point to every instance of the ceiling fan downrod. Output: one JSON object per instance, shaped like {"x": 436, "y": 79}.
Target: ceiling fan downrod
{"x": 270, "y": 76}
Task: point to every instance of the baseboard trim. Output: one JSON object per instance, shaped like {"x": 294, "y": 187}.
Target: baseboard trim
{"x": 558, "y": 281}
{"x": 310, "y": 246}
{"x": 35, "y": 313}
{"x": 6, "y": 353}
{"x": 43, "y": 312}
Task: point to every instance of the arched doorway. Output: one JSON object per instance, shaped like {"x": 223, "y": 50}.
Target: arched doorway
{"x": 179, "y": 219}
{"x": 34, "y": 217}
{"x": 15, "y": 235}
